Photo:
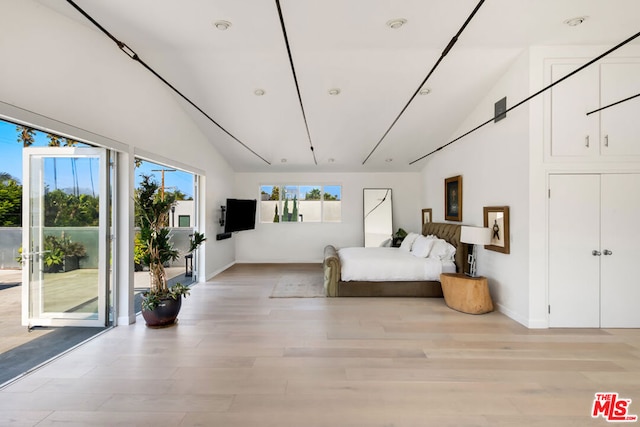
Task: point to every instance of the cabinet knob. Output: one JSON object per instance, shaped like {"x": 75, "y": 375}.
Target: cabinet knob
{"x": 607, "y": 252}
{"x": 595, "y": 253}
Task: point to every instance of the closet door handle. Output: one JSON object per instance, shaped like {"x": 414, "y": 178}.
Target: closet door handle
{"x": 606, "y": 140}
{"x": 595, "y": 253}
{"x": 586, "y": 141}
{"x": 607, "y": 252}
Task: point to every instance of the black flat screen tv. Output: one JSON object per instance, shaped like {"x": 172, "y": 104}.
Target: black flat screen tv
{"x": 240, "y": 215}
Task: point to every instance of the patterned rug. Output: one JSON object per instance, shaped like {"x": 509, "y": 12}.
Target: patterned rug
{"x": 299, "y": 286}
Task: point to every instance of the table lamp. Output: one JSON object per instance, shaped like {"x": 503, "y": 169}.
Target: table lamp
{"x": 474, "y": 236}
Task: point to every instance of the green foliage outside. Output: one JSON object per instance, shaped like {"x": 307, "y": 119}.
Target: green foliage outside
{"x": 313, "y": 194}
{"x": 10, "y": 201}
{"x": 58, "y": 249}
{"x": 61, "y": 209}
{"x": 68, "y": 210}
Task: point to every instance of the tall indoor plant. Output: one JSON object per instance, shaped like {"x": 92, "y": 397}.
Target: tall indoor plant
{"x": 161, "y": 304}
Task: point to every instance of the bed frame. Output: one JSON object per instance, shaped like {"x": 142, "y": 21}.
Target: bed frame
{"x": 335, "y": 287}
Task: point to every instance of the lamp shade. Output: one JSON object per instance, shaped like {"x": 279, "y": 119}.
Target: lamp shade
{"x": 475, "y": 235}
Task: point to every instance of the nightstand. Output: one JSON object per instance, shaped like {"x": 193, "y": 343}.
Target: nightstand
{"x": 466, "y": 294}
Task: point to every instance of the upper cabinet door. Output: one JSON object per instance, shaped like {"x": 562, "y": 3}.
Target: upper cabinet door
{"x": 573, "y": 133}
{"x": 620, "y": 124}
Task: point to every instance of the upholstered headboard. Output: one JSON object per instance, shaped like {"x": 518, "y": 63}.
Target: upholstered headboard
{"x": 450, "y": 233}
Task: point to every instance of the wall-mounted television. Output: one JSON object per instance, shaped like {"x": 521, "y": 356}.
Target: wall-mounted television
{"x": 240, "y": 215}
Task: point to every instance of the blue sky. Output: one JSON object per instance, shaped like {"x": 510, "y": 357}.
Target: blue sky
{"x": 11, "y": 157}
{"x": 11, "y": 162}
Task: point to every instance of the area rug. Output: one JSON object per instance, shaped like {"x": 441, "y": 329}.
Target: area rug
{"x": 299, "y": 286}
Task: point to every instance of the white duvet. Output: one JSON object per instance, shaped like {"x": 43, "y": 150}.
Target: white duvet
{"x": 377, "y": 264}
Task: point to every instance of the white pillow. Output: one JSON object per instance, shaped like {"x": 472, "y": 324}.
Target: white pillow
{"x": 422, "y": 246}
{"x": 407, "y": 242}
{"x": 443, "y": 250}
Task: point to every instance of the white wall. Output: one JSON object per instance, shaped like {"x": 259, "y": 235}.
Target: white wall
{"x": 73, "y": 74}
{"x": 493, "y": 162}
{"x": 304, "y": 242}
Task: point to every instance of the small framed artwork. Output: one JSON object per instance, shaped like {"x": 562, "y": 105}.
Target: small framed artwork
{"x": 497, "y": 219}
{"x": 453, "y": 198}
{"x": 426, "y": 216}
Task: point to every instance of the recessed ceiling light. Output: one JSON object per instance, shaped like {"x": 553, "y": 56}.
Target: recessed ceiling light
{"x": 331, "y": 160}
{"x": 396, "y": 23}
{"x": 222, "y": 25}
{"x": 259, "y": 92}
{"x": 389, "y": 160}
{"x": 334, "y": 91}
{"x": 283, "y": 160}
{"x": 574, "y": 22}
{"x": 425, "y": 91}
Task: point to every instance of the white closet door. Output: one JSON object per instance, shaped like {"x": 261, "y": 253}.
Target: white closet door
{"x": 620, "y": 282}
{"x": 574, "y": 272}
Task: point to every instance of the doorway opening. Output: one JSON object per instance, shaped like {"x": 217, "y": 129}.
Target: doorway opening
{"x": 55, "y": 270}
{"x": 181, "y": 185}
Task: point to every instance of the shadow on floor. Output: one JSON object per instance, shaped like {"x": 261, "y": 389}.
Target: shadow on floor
{"x": 25, "y": 357}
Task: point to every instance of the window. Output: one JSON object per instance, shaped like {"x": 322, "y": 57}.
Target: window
{"x": 184, "y": 221}
{"x": 300, "y": 203}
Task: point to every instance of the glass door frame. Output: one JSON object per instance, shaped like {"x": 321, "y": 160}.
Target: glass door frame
{"x": 33, "y": 261}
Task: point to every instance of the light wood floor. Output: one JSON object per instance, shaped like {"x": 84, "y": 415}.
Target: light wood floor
{"x": 240, "y": 358}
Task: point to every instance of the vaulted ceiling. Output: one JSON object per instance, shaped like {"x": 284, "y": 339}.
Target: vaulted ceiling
{"x": 297, "y": 51}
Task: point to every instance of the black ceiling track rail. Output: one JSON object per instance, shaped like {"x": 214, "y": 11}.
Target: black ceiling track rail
{"x": 614, "y": 104}
{"x": 544, "y": 89}
{"x": 295, "y": 79}
{"x": 444, "y": 53}
{"x": 133, "y": 55}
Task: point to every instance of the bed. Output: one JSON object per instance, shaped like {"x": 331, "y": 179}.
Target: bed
{"x": 400, "y": 286}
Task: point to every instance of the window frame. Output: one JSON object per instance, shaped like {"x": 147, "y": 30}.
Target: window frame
{"x": 281, "y": 199}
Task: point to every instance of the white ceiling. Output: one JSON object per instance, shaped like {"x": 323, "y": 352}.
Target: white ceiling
{"x": 341, "y": 44}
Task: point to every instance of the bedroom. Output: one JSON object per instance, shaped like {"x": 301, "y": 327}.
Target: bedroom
{"x": 519, "y": 282}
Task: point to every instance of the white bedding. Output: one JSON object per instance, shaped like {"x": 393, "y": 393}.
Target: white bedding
{"x": 389, "y": 265}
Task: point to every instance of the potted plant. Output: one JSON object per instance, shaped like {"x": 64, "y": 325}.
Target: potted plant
{"x": 161, "y": 304}
{"x": 398, "y": 237}
{"x": 61, "y": 254}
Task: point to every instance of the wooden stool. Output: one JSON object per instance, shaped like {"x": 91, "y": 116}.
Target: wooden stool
{"x": 466, "y": 294}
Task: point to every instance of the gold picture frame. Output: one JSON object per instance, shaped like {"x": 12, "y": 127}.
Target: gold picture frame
{"x": 497, "y": 219}
{"x": 426, "y": 216}
{"x": 453, "y": 198}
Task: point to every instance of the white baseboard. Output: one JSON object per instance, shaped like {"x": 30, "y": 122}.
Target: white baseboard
{"x": 126, "y": 320}
{"x": 529, "y": 323}
{"x": 220, "y": 270}
{"x": 279, "y": 261}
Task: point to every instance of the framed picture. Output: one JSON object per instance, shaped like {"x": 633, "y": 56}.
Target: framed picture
{"x": 453, "y": 198}
{"x": 497, "y": 219}
{"x": 426, "y": 216}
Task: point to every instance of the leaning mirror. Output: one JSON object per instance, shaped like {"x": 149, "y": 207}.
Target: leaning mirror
{"x": 378, "y": 216}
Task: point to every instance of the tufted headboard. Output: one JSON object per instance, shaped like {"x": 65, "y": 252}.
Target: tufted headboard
{"x": 450, "y": 233}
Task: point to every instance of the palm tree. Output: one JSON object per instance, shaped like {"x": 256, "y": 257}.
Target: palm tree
{"x": 26, "y": 135}
{"x": 57, "y": 141}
